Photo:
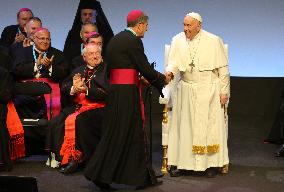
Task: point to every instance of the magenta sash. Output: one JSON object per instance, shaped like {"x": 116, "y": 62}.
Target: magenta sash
{"x": 56, "y": 105}
{"x": 128, "y": 76}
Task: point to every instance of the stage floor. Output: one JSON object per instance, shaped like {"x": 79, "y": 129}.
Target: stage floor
{"x": 253, "y": 105}
{"x": 253, "y": 166}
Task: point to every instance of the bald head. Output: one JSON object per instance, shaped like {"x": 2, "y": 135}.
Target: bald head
{"x": 191, "y": 26}
{"x": 33, "y": 24}
{"x": 42, "y": 39}
{"x": 23, "y": 17}
{"x": 92, "y": 55}
{"x": 86, "y": 30}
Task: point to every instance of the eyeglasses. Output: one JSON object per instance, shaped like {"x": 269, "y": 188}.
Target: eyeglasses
{"x": 43, "y": 39}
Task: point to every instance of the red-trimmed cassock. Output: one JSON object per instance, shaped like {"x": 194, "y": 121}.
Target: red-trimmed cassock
{"x": 76, "y": 131}
{"x": 122, "y": 156}
{"x": 11, "y": 130}
{"x": 24, "y": 69}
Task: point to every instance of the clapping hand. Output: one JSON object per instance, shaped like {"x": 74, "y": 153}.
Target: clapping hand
{"x": 79, "y": 84}
{"x": 47, "y": 61}
{"x": 19, "y": 37}
{"x": 39, "y": 60}
{"x": 27, "y": 42}
{"x": 76, "y": 79}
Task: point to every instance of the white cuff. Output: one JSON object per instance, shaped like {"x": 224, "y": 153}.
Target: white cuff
{"x": 50, "y": 70}
{"x": 172, "y": 69}
{"x": 37, "y": 74}
{"x": 35, "y": 68}
{"x": 72, "y": 91}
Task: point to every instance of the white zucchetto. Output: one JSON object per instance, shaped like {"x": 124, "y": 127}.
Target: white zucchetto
{"x": 195, "y": 16}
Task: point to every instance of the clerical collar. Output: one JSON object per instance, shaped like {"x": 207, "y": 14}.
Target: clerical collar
{"x": 34, "y": 47}
{"x": 39, "y": 52}
{"x": 129, "y": 29}
{"x": 90, "y": 67}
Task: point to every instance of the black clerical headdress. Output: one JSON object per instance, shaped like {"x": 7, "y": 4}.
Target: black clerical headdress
{"x": 101, "y": 20}
{"x": 102, "y": 23}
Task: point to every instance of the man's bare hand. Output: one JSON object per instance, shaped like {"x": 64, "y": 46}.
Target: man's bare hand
{"x": 48, "y": 61}
{"x": 26, "y": 42}
{"x": 81, "y": 87}
{"x": 39, "y": 59}
{"x": 19, "y": 37}
{"x": 77, "y": 79}
{"x": 169, "y": 77}
{"x": 224, "y": 99}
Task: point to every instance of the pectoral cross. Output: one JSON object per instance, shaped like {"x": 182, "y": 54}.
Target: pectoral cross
{"x": 191, "y": 65}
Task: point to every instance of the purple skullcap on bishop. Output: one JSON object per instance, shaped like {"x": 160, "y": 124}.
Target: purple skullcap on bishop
{"x": 93, "y": 33}
{"x": 41, "y": 29}
{"x": 134, "y": 15}
{"x": 24, "y": 9}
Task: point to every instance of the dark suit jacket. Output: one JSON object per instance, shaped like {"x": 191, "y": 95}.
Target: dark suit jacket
{"x": 8, "y": 35}
{"x": 23, "y": 64}
{"x": 126, "y": 51}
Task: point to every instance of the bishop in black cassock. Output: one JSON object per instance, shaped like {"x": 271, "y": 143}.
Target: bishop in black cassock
{"x": 16, "y": 33}
{"x": 88, "y": 123}
{"x": 6, "y": 92}
{"x": 38, "y": 61}
{"x": 122, "y": 155}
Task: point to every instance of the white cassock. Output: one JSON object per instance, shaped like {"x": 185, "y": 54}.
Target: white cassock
{"x": 197, "y": 133}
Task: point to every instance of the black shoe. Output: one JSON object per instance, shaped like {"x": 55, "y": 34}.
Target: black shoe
{"x": 159, "y": 176}
{"x": 157, "y": 183}
{"x": 280, "y": 152}
{"x": 70, "y": 168}
{"x": 174, "y": 172}
{"x": 211, "y": 172}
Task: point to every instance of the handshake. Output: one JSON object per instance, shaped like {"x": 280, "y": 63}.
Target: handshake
{"x": 169, "y": 76}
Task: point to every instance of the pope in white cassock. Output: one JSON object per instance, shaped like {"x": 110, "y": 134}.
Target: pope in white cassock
{"x": 197, "y": 133}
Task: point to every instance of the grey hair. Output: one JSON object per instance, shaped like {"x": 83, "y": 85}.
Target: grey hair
{"x": 35, "y": 19}
{"x": 142, "y": 19}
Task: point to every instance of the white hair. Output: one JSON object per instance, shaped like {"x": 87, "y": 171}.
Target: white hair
{"x": 90, "y": 45}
